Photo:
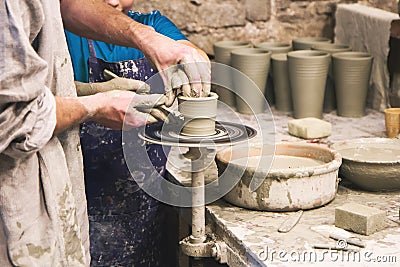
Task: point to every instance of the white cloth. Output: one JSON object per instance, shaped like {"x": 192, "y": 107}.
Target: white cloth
{"x": 367, "y": 29}
{"x": 42, "y": 198}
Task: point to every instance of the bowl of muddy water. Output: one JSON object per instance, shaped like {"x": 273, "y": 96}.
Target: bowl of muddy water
{"x": 372, "y": 164}
{"x": 297, "y": 176}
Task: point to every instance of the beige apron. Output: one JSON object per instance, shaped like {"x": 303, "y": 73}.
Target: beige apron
{"x": 42, "y": 197}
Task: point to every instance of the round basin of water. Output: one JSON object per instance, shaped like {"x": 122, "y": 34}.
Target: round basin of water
{"x": 297, "y": 176}
{"x": 373, "y": 164}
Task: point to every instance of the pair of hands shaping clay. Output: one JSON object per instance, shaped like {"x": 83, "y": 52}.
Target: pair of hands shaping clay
{"x": 157, "y": 109}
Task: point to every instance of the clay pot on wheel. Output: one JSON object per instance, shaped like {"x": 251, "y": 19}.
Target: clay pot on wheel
{"x": 254, "y": 63}
{"x": 330, "y": 95}
{"x": 305, "y": 43}
{"x": 351, "y": 72}
{"x": 200, "y": 114}
{"x": 221, "y": 75}
{"x": 308, "y": 70}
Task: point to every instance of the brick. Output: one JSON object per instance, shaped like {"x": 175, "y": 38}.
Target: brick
{"x": 258, "y": 10}
{"x": 359, "y": 218}
{"x": 309, "y": 128}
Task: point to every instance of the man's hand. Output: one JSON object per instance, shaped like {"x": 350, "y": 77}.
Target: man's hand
{"x": 126, "y": 110}
{"x": 114, "y": 109}
{"x": 182, "y": 66}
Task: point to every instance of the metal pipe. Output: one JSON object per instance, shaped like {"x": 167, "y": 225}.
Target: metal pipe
{"x": 198, "y": 198}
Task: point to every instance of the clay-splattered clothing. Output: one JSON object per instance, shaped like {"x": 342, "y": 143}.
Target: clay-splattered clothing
{"x": 42, "y": 198}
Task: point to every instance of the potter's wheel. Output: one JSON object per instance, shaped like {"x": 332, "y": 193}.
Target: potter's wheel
{"x": 226, "y": 133}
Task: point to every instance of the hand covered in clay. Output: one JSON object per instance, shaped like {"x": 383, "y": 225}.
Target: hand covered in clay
{"x": 125, "y": 110}
{"x": 181, "y": 66}
{"x": 118, "y": 83}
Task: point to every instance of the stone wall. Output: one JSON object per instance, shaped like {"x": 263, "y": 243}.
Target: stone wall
{"x": 205, "y": 22}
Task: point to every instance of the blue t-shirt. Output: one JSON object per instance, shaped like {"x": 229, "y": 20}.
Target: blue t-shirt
{"x": 79, "y": 48}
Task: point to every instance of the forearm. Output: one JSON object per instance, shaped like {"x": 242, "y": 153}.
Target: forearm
{"x": 113, "y": 109}
{"x": 72, "y": 111}
{"x": 84, "y": 17}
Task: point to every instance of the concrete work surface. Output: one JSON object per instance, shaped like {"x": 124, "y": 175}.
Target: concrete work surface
{"x": 254, "y": 236}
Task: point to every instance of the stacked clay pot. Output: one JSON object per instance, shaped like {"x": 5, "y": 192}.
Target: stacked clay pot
{"x": 330, "y": 95}
{"x": 221, "y": 73}
{"x": 303, "y": 81}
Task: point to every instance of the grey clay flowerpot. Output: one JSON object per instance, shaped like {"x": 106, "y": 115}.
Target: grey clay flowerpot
{"x": 305, "y": 43}
{"x": 254, "y": 63}
{"x": 199, "y": 113}
{"x": 283, "y": 95}
{"x": 221, "y": 75}
{"x": 351, "y": 72}
{"x": 308, "y": 71}
{"x": 274, "y": 47}
{"x": 330, "y": 95}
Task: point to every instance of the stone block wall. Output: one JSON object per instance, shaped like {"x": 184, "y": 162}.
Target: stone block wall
{"x": 205, "y": 22}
